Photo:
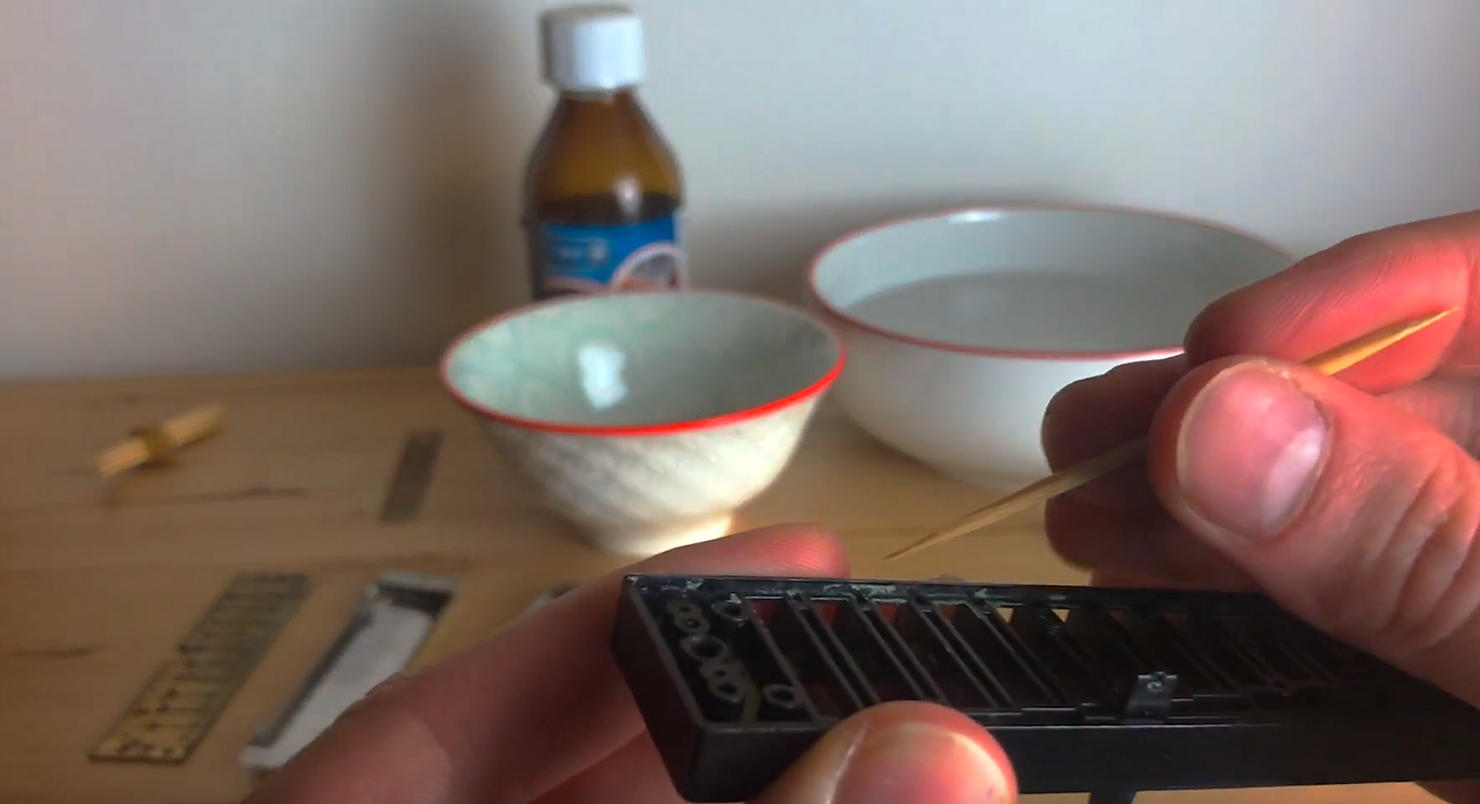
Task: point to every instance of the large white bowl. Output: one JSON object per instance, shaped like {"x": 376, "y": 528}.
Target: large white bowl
{"x": 961, "y": 326}
{"x": 646, "y": 418}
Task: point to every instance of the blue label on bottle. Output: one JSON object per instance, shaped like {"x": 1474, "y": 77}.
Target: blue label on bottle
{"x": 590, "y": 259}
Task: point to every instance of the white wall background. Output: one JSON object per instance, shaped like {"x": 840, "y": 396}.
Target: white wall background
{"x": 251, "y": 185}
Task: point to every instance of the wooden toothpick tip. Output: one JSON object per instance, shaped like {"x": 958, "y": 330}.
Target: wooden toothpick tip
{"x": 1351, "y": 353}
{"x": 1329, "y": 362}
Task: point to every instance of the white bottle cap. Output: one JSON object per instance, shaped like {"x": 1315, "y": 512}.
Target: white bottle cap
{"x": 592, "y": 48}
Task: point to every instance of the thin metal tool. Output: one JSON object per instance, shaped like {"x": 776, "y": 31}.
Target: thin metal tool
{"x": 395, "y": 616}
{"x": 1329, "y": 362}
{"x": 408, "y": 488}
{"x": 182, "y": 701}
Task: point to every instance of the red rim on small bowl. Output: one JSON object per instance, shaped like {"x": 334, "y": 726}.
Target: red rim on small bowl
{"x": 817, "y": 297}
{"x": 664, "y": 428}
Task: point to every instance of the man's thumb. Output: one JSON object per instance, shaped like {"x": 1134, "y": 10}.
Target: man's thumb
{"x": 1348, "y": 511}
{"x": 899, "y": 753}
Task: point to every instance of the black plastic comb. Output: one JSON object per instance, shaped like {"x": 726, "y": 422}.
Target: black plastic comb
{"x": 1088, "y": 690}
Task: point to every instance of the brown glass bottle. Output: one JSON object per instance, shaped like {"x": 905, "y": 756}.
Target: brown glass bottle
{"x": 603, "y": 192}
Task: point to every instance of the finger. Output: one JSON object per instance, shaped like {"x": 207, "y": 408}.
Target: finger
{"x": 1147, "y": 543}
{"x": 1114, "y": 579}
{"x": 1117, "y": 524}
{"x": 1450, "y": 406}
{"x": 1110, "y": 579}
{"x": 1354, "y": 288}
{"x": 900, "y": 753}
{"x": 1352, "y": 513}
{"x": 518, "y": 713}
{"x": 1092, "y": 416}
{"x": 633, "y": 775}
{"x": 1454, "y": 792}
{"x": 1095, "y": 415}
{"x": 1150, "y": 547}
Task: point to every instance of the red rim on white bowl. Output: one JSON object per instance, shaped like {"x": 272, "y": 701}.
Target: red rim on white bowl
{"x": 815, "y": 388}
{"x": 817, "y": 297}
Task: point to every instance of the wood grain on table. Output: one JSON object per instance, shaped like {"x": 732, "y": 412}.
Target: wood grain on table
{"x": 98, "y": 579}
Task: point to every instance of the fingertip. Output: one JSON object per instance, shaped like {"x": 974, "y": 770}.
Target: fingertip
{"x": 1223, "y": 328}
{"x": 1092, "y": 415}
{"x": 1059, "y": 420}
{"x": 799, "y": 548}
{"x": 903, "y": 752}
{"x": 1114, "y": 579}
{"x": 915, "y": 751}
{"x": 1166, "y": 432}
{"x": 925, "y": 713}
{"x": 930, "y": 716}
{"x": 1097, "y": 414}
{"x": 1061, "y": 433}
{"x": 810, "y": 546}
{"x": 1240, "y": 448}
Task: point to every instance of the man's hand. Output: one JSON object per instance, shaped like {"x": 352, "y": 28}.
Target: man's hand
{"x": 539, "y": 713}
{"x": 1353, "y": 501}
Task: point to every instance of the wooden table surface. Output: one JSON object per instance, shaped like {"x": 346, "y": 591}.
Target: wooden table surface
{"x": 98, "y": 579}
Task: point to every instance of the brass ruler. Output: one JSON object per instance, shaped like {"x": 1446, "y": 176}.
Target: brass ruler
{"x": 182, "y": 701}
{"x": 402, "y": 501}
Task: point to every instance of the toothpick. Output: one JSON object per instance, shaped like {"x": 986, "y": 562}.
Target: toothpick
{"x": 1329, "y": 362}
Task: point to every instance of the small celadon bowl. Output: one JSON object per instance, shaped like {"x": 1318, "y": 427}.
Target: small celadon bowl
{"x": 646, "y": 418}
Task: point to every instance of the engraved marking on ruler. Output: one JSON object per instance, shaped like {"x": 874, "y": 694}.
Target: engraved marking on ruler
{"x": 413, "y": 475}
{"x": 182, "y": 700}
